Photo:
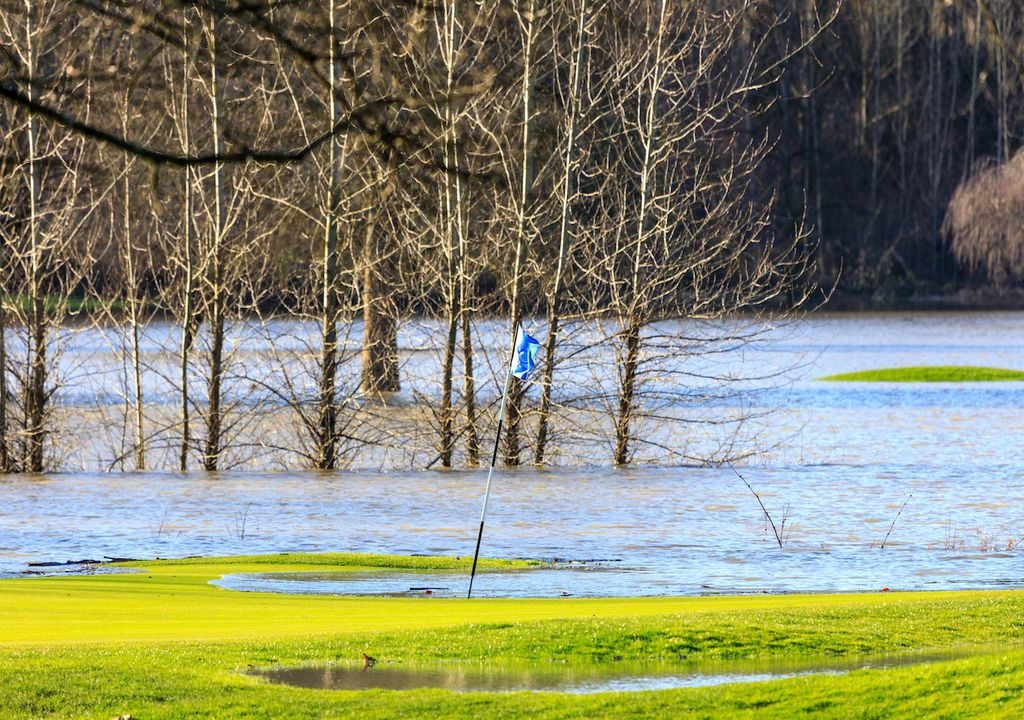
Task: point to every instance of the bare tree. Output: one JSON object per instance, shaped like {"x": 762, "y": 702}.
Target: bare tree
{"x": 41, "y": 267}
{"x": 575, "y": 67}
{"x": 687, "y": 239}
{"x": 983, "y": 221}
{"x": 462, "y": 32}
{"x": 328, "y": 421}
{"x": 532, "y": 20}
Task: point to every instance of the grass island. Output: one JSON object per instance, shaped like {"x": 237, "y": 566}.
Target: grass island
{"x": 931, "y": 373}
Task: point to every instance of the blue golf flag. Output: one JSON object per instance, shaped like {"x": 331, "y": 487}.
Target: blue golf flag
{"x": 525, "y": 359}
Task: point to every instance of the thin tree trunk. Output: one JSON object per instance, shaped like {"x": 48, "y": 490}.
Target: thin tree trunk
{"x": 513, "y": 417}
{"x": 35, "y": 405}
{"x": 133, "y": 311}
{"x": 469, "y": 382}
{"x": 564, "y": 239}
{"x": 327, "y": 448}
{"x": 188, "y": 325}
{"x": 453, "y": 237}
{"x": 627, "y": 392}
{"x": 380, "y": 324}
{"x": 876, "y": 109}
{"x": 188, "y": 311}
{"x": 1001, "y": 84}
{"x": 447, "y": 418}
{"x": 901, "y": 124}
{"x": 465, "y": 291}
{"x": 969, "y": 156}
{"x": 5, "y": 457}
{"x": 634, "y": 319}
{"x": 218, "y": 297}
{"x": 812, "y": 146}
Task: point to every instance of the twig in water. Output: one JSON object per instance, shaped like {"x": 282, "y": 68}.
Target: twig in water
{"x": 886, "y": 538}
{"x": 778, "y": 537}
{"x": 241, "y": 518}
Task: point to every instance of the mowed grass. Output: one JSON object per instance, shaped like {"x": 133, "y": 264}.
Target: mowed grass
{"x": 931, "y": 373}
{"x": 163, "y": 643}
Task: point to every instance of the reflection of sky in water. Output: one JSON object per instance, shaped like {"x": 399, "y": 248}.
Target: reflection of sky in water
{"x": 837, "y": 462}
{"x": 576, "y": 678}
{"x": 671, "y": 531}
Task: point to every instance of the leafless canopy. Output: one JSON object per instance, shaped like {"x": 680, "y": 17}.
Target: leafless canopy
{"x": 985, "y": 220}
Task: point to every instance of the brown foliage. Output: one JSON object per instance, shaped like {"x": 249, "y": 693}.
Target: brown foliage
{"x": 985, "y": 221}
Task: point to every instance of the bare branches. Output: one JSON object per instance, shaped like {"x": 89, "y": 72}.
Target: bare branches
{"x": 984, "y": 221}
{"x": 357, "y": 120}
{"x": 767, "y": 515}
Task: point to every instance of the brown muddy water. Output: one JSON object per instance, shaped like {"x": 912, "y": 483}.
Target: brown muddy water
{"x": 935, "y": 472}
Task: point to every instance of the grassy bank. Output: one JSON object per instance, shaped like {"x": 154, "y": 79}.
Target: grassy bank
{"x": 163, "y": 643}
{"x": 931, "y": 373}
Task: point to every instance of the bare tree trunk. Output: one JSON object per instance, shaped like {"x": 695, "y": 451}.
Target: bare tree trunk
{"x": 527, "y": 16}
{"x": 328, "y": 430}
{"x": 447, "y": 413}
{"x": 627, "y": 391}
{"x": 35, "y": 401}
{"x": 876, "y": 109}
{"x": 564, "y": 239}
{"x": 901, "y": 122}
{"x": 812, "y": 146}
{"x": 132, "y": 298}
{"x": 188, "y": 324}
{"x": 218, "y": 291}
{"x": 1002, "y": 116}
{"x": 36, "y": 388}
{"x": 380, "y": 316}
{"x": 632, "y": 322}
{"x": 5, "y": 458}
{"x": 469, "y": 383}
{"x": 454, "y": 240}
{"x": 969, "y": 156}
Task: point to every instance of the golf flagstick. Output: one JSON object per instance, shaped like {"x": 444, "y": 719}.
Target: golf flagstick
{"x": 524, "y": 353}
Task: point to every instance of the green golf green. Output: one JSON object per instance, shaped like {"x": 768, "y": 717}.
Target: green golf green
{"x": 161, "y": 642}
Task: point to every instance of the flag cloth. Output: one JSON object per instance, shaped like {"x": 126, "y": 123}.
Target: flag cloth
{"x": 525, "y": 359}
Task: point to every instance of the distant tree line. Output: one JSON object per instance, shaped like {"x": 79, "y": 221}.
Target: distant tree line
{"x": 355, "y": 163}
{"x": 894, "y": 107}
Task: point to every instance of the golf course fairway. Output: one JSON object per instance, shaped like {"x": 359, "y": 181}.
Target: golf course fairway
{"x": 161, "y": 642}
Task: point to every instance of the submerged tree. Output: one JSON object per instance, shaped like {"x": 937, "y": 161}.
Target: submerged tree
{"x": 42, "y": 265}
{"x": 686, "y": 236}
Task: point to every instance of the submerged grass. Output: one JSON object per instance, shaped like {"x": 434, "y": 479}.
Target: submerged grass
{"x": 931, "y": 373}
{"x": 163, "y": 643}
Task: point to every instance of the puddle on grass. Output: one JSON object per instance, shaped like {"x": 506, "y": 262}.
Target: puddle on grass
{"x": 590, "y": 579}
{"x": 583, "y": 679}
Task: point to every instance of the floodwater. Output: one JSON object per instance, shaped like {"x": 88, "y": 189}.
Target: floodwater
{"x": 581, "y": 679}
{"x": 931, "y": 471}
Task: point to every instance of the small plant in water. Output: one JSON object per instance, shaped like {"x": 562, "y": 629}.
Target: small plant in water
{"x": 981, "y": 541}
{"x": 953, "y": 540}
{"x": 241, "y": 519}
{"x": 162, "y": 526}
{"x": 986, "y": 542}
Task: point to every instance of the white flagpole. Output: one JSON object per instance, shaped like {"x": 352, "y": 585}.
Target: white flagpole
{"x": 494, "y": 457}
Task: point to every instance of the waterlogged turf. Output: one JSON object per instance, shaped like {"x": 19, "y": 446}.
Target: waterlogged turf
{"x": 931, "y": 373}
{"x": 164, "y": 643}
{"x": 582, "y": 678}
